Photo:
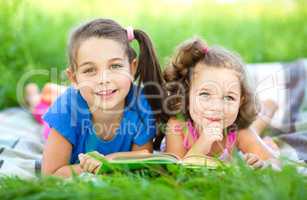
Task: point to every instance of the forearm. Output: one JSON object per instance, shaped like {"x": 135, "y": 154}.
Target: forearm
{"x": 200, "y": 147}
{"x": 258, "y": 126}
{"x": 68, "y": 170}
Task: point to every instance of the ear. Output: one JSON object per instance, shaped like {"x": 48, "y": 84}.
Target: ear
{"x": 72, "y": 77}
{"x": 133, "y": 66}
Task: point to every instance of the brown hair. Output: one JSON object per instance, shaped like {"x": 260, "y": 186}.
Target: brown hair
{"x": 148, "y": 69}
{"x": 180, "y": 69}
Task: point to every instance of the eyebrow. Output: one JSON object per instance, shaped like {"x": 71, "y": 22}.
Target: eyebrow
{"x": 114, "y": 59}
{"x": 231, "y": 92}
{"x": 86, "y": 63}
{"x": 91, "y": 63}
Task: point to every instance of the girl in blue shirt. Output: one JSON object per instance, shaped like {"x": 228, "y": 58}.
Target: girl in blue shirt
{"x": 103, "y": 110}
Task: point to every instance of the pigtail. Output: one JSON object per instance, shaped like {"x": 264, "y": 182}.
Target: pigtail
{"x": 149, "y": 71}
{"x": 187, "y": 55}
{"x": 178, "y": 74}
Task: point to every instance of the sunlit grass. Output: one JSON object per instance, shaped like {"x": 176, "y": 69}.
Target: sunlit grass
{"x": 232, "y": 182}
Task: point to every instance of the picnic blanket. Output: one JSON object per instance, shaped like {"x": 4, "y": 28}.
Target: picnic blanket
{"x": 21, "y": 144}
{"x": 286, "y": 84}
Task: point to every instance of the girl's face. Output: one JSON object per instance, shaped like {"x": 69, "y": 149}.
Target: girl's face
{"x": 215, "y": 95}
{"x": 103, "y": 73}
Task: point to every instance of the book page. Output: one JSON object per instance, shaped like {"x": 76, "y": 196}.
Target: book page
{"x": 200, "y": 160}
{"x": 129, "y": 156}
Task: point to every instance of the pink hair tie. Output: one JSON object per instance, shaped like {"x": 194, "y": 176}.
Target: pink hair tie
{"x": 130, "y": 33}
{"x": 205, "y": 50}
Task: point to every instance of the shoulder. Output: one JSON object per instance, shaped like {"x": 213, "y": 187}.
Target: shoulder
{"x": 66, "y": 115}
{"x": 70, "y": 102}
{"x": 64, "y": 100}
{"x": 137, "y": 105}
{"x": 137, "y": 98}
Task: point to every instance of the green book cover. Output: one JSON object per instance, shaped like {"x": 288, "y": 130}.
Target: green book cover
{"x": 143, "y": 161}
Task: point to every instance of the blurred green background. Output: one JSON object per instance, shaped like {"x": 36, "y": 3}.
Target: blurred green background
{"x": 33, "y": 33}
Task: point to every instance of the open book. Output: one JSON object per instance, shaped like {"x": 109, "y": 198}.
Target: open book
{"x": 147, "y": 160}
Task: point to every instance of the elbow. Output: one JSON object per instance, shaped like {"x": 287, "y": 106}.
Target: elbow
{"x": 47, "y": 169}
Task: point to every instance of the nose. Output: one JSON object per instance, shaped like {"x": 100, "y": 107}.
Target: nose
{"x": 217, "y": 105}
{"x": 104, "y": 76}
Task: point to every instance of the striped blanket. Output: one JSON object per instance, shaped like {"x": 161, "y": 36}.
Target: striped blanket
{"x": 21, "y": 144}
{"x": 286, "y": 84}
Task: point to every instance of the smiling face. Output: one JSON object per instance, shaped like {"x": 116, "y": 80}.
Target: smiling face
{"x": 215, "y": 95}
{"x": 103, "y": 73}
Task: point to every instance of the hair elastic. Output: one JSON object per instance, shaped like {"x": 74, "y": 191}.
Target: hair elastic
{"x": 130, "y": 33}
{"x": 205, "y": 50}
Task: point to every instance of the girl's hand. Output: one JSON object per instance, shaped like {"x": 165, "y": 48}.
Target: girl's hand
{"x": 213, "y": 132}
{"x": 254, "y": 161}
{"x": 88, "y": 164}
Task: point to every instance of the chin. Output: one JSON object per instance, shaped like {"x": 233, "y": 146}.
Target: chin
{"x": 107, "y": 106}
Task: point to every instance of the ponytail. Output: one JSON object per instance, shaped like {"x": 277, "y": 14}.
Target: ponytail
{"x": 148, "y": 71}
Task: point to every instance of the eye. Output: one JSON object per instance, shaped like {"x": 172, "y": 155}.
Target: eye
{"x": 116, "y": 66}
{"x": 89, "y": 70}
{"x": 229, "y": 98}
{"x": 204, "y": 94}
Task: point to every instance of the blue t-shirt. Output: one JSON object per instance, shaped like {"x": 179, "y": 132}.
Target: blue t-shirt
{"x": 70, "y": 116}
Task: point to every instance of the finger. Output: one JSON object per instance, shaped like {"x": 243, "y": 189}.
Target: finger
{"x": 87, "y": 163}
{"x": 93, "y": 164}
{"x": 219, "y": 137}
{"x": 258, "y": 164}
{"x": 97, "y": 168}
{"x": 215, "y": 138}
{"x": 252, "y": 160}
{"x": 214, "y": 130}
{"x": 215, "y": 133}
{"x": 84, "y": 163}
{"x": 247, "y": 156}
{"x": 80, "y": 156}
{"x": 81, "y": 159}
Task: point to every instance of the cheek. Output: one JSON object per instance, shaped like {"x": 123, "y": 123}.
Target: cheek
{"x": 85, "y": 83}
{"x": 196, "y": 107}
{"x": 123, "y": 80}
{"x": 87, "y": 93}
{"x": 231, "y": 113}
{"x": 198, "y": 104}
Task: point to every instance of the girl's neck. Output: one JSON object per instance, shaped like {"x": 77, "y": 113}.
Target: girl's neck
{"x": 107, "y": 121}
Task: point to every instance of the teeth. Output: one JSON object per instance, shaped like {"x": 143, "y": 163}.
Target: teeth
{"x": 106, "y": 92}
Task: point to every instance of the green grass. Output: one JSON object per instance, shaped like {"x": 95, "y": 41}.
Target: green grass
{"x": 232, "y": 182}
{"x": 33, "y": 33}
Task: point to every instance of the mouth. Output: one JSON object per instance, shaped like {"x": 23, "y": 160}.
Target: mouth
{"x": 214, "y": 119}
{"x": 106, "y": 94}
